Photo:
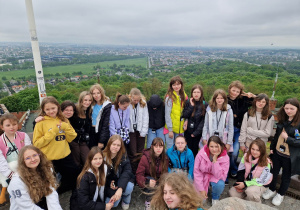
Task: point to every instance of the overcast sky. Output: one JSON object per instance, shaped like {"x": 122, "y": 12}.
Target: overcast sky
{"x": 156, "y": 22}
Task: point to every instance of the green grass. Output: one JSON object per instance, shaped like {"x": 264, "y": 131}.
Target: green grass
{"x": 84, "y": 68}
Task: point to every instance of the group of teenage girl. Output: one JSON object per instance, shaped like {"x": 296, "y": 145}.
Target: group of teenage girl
{"x": 96, "y": 148}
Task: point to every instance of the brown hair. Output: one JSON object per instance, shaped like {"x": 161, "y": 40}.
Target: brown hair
{"x": 88, "y": 165}
{"x": 122, "y": 99}
{"x": 263, "y": 158}
{"x": 120, "y": 154}
{"x": 102, "y": 92}
{"x": 52, "y": 100}
{"x": 216, "y": 140}
{"x": 66, "y": 104}
{"x": 8, "y": 116}
{"x": 170, "y": 93}
{"x": 213, "y": 103}
{"x": 266, "y": 110}
{"x": 201, "y": 100}
{"x": 283, "y": 117}
{"x": 163, "y": 156}
{"x": 238, "y": 85}
{"x": 40, "y": 181}
{"x": 79, "y": 105}
{"x": 137, "y": 92}
{"x": 184, "y": 189}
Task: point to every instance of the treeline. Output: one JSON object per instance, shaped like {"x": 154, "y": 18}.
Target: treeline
{"x": 211, "y": 75}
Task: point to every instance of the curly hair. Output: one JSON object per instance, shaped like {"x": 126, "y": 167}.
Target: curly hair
{"x": 184, "y": 189}
{"x": 40, "y": 181}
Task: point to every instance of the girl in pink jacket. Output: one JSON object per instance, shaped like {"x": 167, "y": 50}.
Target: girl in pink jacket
{"x": 211, "y": 168}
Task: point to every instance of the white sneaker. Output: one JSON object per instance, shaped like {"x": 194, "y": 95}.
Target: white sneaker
{"x": 147, "y": 205}
{"x": 277, "y": 200}
{"x": 268, "y": 194}
{"x": 213, "y": 202}
{"x": 125, "y": 206}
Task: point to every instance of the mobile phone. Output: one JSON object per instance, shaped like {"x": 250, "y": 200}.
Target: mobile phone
{"x": 113, "y": 184}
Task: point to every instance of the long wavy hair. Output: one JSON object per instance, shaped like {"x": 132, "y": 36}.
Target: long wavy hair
{"x": 120, "y": 154}
{"x": 266, "y": 110}
{"x": 201, "y": 100}
{"x": 40, "y": 181}
{"x": 88, "y": 165}
{"x": 52, "y": 100}
{"x": 102, "y": 92}
{"x": 153, "y": 157}
{"x": 263, "y": 158}
{"x": 137, "y": 92}
{"x": 79, "y": 105}
{"x": 213, "y": 103}
{"x": 182, "y": 187}
{"x": 283, "y": 117}
{"x": 170, "y": 92}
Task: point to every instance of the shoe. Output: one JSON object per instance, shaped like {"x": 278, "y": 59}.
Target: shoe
{"x": 213, "y": 202}
{"x": 226, "y": 182}
{"x": 147, "y": 205}
{"x": 268, "y": 194}
{"x": 125, "y": 206}
{"x": 277, "y": 200}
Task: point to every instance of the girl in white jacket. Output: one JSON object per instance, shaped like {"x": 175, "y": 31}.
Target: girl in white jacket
{"x": 34, "y": 186}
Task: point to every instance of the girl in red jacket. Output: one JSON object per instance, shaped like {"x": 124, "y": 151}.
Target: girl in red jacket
{"x": 153, "y": 164}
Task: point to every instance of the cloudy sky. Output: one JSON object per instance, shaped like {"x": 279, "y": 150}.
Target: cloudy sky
{"x": 156, "y": 22}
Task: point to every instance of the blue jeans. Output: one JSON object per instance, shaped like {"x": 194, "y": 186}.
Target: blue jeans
{"x": 234, "y": 155}
{"x": 158, "y": 133}
{"x": 126, "y": 195}
{"x": 217, "y": 189}
{"x": 170, "y": 141}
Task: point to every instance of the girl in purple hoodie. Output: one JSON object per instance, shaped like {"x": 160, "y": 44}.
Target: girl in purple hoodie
{"x": 211, "y": 168}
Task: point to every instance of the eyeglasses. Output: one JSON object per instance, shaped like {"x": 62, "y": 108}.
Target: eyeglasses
{"x": 33, "y": 156}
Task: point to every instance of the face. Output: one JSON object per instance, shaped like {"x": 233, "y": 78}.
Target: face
{"x": 135, "y": 99}
{"x": 180, "y": 144}
{"x": 115, "y": 147}
{"x": 97, "y": 161}
{"x": 86, "y": 101}
{"x": 220, "y": 100}
{"x": 290, "y": 110}
{"x": 196, "y": 94}
{"x": 170, "y": 197}
{"x": 214, "y": 148}
{"x": 158, "y": 149}
{"x": 68, "y": 112}
{"x": 176, "y": 87}
{"x": 31, "y": 159}
{"x": 255, "y": 151}
{"x": 96, "y": 95}
{"x": 51, "y": 110}
{"x": 123, "y": 106}
{"x": 234, "y": 92}
{"x": 10, "y": 127}
{"x": 261, "y": 104}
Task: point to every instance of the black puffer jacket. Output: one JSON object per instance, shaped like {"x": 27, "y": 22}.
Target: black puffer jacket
{"x": 239, "y": 107}
{"x": 198, "y": 118}
{"x": 80, "y": 125}
{"x": 156, "y": 111}
{"x": 103, "y": 129}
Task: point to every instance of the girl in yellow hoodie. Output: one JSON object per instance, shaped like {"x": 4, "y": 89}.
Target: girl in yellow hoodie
{"x": 52, "y": 136}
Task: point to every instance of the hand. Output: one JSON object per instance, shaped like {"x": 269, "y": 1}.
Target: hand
{"x": 203, "y": 194}
{"x": 152, "y": 183}
{"x": 284, "y": 135}
{"x": 243, "y": 148}
{"x": 117, "y": 195}
{"x": 100, "y": 145}
{"x": 59, "y": 124}
{"x": 249, "y": 95}
{"x": 228, "y": 147}
{"x": 109, "y": 205}
{"x": 192, "y": 135}
{"x": 191, "y": 102}
{"x": 185, "y": 125}
{"x": 239, "y": 190}
{"x": 215, "y": 157}
{"x": 240, "y": 185}
{"x": 271, "y": 151}
{"x": 112, "y": 185}
{"x": 204, "y": 142}
{"x": 39, "y": 119}
{"x": 171, "y": 134}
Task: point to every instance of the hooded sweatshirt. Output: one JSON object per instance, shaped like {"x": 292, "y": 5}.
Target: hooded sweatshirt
{"x": 156, "y": 111}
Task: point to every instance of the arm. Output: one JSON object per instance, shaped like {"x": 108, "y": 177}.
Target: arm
{"x": 230, "y": 128}
{"x": 127, "y": 123}
{"x": 53, "y": 200}
{"x": 69, "y": 131}
{"x": 220, "y": 170}
{"x": 264, "y": 179}
{"x": 168, "y": 109}
{"x": 104, "y": 131}
{"x": 188, "y": 110}
{"x": 205, "y": 127}
{"x": 199, "y": 128}
{"x": 198, "y": 175}
{"x": 145, "y": 123}
{"x": 191, "y": 160}
{"x": 241, "y": 171}
{"x": 243, "y": 132}
{"x": 291, "y": 141}
{"x": 42, "y": 139}
{"x": 4, "y": 169}
{"x": 277, "y": 134}
{"x": 141, "y": 171}
{"x": 263, "y": 133}
{"x": 112, "y": 126}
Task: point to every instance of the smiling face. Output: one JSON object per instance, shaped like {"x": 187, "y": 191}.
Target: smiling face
{"x": 51, "y": 110}
{"x": 234, "y": 92}
{"x": 68, "y": 112}
{"x": 170, "y": 197}
{"x": 260, "y": 104}
{"x": 214, "y": 148}
{"x": 86, "y": 101}
{"x": 31, "y": 159}
{"x": 196, "y": 94}
{"x": 176, "y": 87}
{"x": 115, "y": 147}
{"x": 220, "y": 100}
{"x": 255, "y": 151}
{"x": 10, "y": 127}
{"x": 180, "y": 143}
{"x": 96, "y": 95}
{"x": 97, "y": 161}
{"x": 123, "y": 106}
{"x": 290, "y": 110}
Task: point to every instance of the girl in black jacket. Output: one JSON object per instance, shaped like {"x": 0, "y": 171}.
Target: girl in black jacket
{"x": 285, "y": 149}
{"x": 91, "y": 183}
{"x": 194, "y": 114}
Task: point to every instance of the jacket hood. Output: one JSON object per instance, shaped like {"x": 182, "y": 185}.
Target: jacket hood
{"x": 206, "y": 149}
{"x": 155, "y": 101}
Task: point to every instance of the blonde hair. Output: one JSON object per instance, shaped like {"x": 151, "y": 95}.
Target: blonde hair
{"x": 79, "y": 105}
{"x": 40, "y": 181}
{"x": 102, "y": 92}
{"x": 213, "y": 103}
{"x": 137, "y": 92}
